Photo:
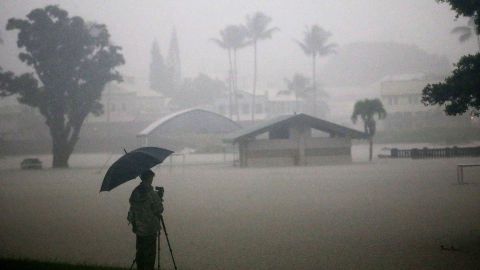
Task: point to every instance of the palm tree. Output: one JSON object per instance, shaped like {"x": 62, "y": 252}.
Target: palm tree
{"x": 257, "y": 29}
{"x": 315, "y": 44}
{"x": 224, "y": 43}
{"x": 466, "y": 32}
{"x": 239, "y": 40}
{"x": 299, "y": 86}
{"x": 367, "y": 109}
{"x": 231, "y": 39}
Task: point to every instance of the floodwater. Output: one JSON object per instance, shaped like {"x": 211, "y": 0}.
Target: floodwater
{"x": 388, "y": 214}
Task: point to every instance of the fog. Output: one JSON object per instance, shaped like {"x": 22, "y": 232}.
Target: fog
{"x": 135, "y": 24}
{"x": 294, "y": 188}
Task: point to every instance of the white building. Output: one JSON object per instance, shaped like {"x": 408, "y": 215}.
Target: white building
{"x": 267, "y": 106}
{"x": 129, "y": 101}
{"x": 244, "y": 100}
{"x": 401, "y": 96}
{"x": 285, "y": 103}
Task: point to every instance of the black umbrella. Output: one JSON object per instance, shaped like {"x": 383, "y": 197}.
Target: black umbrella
{"x": 132, "y": 164}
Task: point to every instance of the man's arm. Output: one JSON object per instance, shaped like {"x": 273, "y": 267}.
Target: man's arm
{"x": 157, "y": 205}
{"x": 131, "y": 219}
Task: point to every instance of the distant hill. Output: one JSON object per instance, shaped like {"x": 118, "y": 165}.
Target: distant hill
{"x": 360, "y": 64}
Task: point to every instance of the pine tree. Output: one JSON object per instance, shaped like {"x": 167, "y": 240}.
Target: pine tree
{"x": 158, "y": 71}
{"x": 173, "y": 63}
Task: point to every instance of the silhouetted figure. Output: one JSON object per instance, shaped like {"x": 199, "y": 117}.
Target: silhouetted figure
{"x": 146, "y": 207}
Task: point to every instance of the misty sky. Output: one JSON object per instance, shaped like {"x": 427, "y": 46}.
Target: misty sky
{"x": 135, "y": 24}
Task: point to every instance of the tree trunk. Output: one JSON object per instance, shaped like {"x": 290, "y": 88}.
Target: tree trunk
{"x": 230, "y": 83}
{"x": 254, "y": 79}
{"x": 60, "y": 149}
{"x": 370, "y": 149}
{"x": 64, "y": 139}
{"x": 314, "y": 81}
{"x": 235, "y": 96}
{"x": 60, "y": 157}
{"x": 296, "y": 103}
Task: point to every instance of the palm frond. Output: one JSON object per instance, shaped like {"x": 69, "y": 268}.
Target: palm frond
{"x": 268, "y": 33}
{"x": 315, "y": 41}
{"x": 367, "y": 108}
{"x": 328, "y": 49}
{"x": 304, "y": 47}
{"x": 219, "y": 42}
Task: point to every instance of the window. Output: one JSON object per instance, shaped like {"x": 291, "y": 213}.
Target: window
{"x": 413, "y": 99}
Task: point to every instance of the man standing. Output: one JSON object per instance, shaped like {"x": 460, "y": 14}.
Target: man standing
{"x": 146, "y": 207}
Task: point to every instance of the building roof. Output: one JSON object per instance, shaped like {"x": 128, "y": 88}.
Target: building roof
{"x": 310, "y": 121}
{"x": 403, "y": 77}
{"x": 222, "y": 120}
{"x": 284, "y": 96}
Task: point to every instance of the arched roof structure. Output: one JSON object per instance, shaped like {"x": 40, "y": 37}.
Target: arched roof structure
{"x": 191, "y": 121}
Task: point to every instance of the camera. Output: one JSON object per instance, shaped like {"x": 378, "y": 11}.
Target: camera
{"x": 160, "y": 191}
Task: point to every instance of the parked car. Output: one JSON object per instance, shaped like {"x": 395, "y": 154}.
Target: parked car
{"x": 31, "y": 163}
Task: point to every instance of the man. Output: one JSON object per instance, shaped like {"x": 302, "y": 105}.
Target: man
{"x": 146, "y": 206}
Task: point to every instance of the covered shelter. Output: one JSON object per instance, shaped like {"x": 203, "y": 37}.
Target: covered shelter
{"x": 298, "y": 139}
{"x": 186, "y": 128}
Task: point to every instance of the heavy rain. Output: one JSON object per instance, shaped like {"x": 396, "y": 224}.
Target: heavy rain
{"x": 215, "y": 134}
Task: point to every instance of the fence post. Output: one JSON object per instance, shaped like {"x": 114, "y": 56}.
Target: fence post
{"x": 414, "y": 153}
{"x": 394, "y": 152}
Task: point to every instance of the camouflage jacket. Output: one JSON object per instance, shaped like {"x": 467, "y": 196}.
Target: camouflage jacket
{"x": 145, "y": 210}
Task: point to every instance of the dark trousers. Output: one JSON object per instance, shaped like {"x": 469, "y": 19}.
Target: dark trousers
{"x": 145, "y": 257}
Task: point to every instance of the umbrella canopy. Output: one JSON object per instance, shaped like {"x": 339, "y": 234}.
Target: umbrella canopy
{"x": 132, "y": 164}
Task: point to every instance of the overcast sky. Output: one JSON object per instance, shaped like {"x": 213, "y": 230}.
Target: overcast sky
{"x": 134, "y": 24}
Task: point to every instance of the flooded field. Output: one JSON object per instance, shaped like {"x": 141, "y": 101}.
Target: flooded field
{"x": 389, "y": 214}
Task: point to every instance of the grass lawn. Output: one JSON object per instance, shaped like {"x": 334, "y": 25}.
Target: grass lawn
{"x": 22, "y": 264}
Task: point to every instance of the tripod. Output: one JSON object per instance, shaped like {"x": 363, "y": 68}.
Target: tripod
{"x": 169, "y": 246}
{"x": 158, "y": 247}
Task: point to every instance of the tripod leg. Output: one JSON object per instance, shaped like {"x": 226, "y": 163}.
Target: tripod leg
{"x": 168, "y": 242}
{"x": 134, "y": 260}
{"x": 158, "y": 250}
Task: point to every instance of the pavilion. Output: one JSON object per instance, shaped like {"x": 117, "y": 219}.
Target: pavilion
{"x": 298, "y": 139}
